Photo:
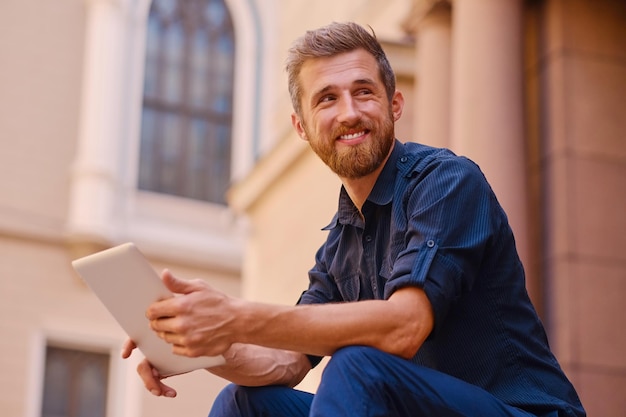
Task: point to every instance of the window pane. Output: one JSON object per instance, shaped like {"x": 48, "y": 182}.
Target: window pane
{"x": 90, "y": 378}
{"x": 149, "y": 129}
{"x": 215, "y": 13}
{"x": 200, "y": 64}
{"x": 152, "y": 58}
{"x": 165, "y": 8}
{"x": 199, "y": 159}
{"x": 187, "y": 116}
{"x": 173, "y": 48}
{"x": 75, "y": 383}
{"x": 56, "y": 385}
{"x": 169, "y": 153}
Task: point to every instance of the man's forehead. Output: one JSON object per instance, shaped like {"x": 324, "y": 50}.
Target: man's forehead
{"x": 347, "y": 67}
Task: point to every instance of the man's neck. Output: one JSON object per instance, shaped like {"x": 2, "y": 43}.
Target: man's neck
{"x": 360, "y": 188}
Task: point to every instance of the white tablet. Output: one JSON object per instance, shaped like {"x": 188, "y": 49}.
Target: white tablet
{"x": 126, "y": 284}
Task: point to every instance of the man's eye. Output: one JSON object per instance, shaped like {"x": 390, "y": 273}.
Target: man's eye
{"x": 326, "y": 99}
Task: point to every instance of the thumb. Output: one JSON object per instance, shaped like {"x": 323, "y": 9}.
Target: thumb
{"x": 177, "y": 285}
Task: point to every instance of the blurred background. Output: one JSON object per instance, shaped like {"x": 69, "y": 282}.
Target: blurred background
{"x": 167, "y": 123}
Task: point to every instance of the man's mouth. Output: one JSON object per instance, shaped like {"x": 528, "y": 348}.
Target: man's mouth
{"x": 352, "y": 136}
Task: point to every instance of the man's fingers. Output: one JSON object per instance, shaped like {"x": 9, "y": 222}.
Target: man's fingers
{"x": 152, "y": 380}
{"x": 177, "y": 285}
{"x": 128, "y": 348}
{"x": 171, "y": 307}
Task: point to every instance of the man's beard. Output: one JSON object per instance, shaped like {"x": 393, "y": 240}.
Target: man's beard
{"x": 358, "y": 160}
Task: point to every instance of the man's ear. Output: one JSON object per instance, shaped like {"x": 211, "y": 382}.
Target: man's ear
{"x": 397, "y": 104}
{"x": 297, "y": 124}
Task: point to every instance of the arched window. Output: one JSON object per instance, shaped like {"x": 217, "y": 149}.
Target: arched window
{"x": 173, "y": 105}
{"x": 187, "y": 112}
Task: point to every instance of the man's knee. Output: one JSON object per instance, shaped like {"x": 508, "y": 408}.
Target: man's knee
{"x": 235, "y": 400}
{"x": 225, "y": 403}
{"x": 358, "y": 360}
{"x": 366, "y": 369}
{"x": 353, "y": 374}
{"x": 360, "y": 368}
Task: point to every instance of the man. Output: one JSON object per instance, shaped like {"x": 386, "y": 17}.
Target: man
{"x": 418, "y": 294}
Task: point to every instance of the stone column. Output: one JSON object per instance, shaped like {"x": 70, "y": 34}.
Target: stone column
{"x": 95, "y": 182}
{"x": 487, "y": 97}
{"x": 430, "y": 21}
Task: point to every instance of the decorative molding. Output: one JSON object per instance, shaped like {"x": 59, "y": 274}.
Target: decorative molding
{"x": 419, "y": 11}
{"x": 268, "y": 169}
{"x": 105, "y": 208}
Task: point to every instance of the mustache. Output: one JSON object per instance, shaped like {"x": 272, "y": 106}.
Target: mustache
{"x": 344, "y": 130}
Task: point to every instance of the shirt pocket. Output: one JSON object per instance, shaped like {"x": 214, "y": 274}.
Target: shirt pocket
{"x": 396, "y": 246}
{"x": 349, "y": 287}
{"x": 385, "y": 270}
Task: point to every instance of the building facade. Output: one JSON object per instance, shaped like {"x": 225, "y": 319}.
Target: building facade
{"x": 532, "y": 90}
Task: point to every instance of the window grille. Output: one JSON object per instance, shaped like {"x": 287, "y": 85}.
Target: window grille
{"x": 186, "y": 124}
{"x": 75, "y": 383}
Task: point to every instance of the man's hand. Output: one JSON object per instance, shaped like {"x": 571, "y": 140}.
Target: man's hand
{"x": 193, "y": 322}
{"x": 197, "y": 322}
{"x": 149, "y": 375}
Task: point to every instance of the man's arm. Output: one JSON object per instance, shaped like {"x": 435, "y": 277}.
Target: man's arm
{"x": 252, "y": 365}
{"x": 204, "y": 321}
{"x": 247, "y": 365}
{"x": 398, "y": 326}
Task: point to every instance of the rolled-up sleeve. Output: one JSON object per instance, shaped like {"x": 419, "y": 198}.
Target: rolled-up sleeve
{"x": 451, "y": 214}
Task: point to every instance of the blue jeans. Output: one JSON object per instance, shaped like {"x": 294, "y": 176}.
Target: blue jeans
{"x": 362, "y": 381}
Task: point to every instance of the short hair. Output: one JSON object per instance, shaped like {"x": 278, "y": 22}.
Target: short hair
{"x": 328, "y": 41}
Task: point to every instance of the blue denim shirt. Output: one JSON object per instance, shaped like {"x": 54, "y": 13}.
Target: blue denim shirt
{"x": 432, "y": 221}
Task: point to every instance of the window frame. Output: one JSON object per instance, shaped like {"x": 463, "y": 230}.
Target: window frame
{"x": 74, "y": 363}
{"x": 176, "y": 104}
{"x": 124, "y": 388}
{"x": 106, "y": 207}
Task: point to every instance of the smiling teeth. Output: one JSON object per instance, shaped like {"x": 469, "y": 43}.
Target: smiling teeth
{"x": 351, "y": 136}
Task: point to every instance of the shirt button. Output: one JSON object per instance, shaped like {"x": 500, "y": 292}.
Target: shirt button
{"x": 368, "y": 238}
{"x": 403, "y": 159}
{"x": 430, "y": 243}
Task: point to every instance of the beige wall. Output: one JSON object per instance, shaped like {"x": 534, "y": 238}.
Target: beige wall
{"x": 41, "y": 50}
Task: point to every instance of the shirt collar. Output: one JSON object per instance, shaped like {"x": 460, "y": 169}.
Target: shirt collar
{"x": 381, "y": 194}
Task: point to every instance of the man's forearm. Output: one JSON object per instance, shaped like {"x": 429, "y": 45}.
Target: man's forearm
{"x": 251, "y": 365}
{"x": 398, "y": 325}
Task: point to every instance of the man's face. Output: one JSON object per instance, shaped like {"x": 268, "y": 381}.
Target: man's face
{"x": 346, "y": 115}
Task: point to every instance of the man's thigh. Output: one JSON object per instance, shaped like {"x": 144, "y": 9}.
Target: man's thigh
{"x": 275, "y": 401}
{"x": 362, "y": 381}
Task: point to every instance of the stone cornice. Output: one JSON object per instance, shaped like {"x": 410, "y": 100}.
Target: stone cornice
{"x": 421, "y": 9}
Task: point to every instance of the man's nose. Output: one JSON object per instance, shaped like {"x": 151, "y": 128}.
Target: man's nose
{"x": 348, "y": 110}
